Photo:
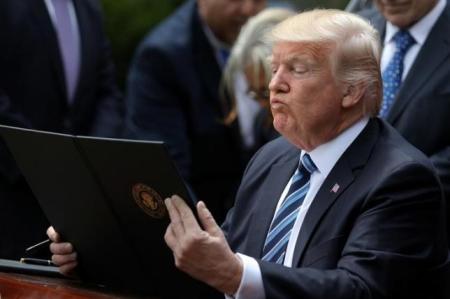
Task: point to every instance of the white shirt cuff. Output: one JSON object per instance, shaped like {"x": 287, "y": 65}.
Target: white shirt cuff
{"x": 251, "y": 286}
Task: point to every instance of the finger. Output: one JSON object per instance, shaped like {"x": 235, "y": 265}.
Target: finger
{"x": 170, "y": 239}
{"x": 187, "y": 216}
{"x": 68, "y": 269}
{"x": 53, "y": 235}
{"x": 207, "y": 219}
{"x": 61, "y": 248}
{"x": 60, "y": 260}
{"x": 175, "y": 219}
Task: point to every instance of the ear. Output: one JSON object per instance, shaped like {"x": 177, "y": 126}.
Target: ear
{"x": 352, "y": 95}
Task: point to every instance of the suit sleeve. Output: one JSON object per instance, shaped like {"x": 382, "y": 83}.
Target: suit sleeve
{"x": 441, "y": 161}
{"x": 225, "y": 226}
{"x": 156, "y": 108}
{"x": 405, "y": 206}
{"x": 108, "y": 120}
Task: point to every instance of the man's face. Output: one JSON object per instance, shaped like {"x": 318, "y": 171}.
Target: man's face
{"x": 305, "y": 97}
{"x": 404, "y": 13}
{"x": 226, "y": 17}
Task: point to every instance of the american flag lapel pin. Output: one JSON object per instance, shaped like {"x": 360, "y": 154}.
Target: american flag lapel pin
{"x": 335, "y": 188}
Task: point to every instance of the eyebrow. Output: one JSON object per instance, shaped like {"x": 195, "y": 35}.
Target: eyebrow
{"x": 302, "y": 58}
{"x": 295, "y": 57}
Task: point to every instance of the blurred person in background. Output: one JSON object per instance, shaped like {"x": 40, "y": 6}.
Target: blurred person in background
{"x": 415, "y": 65}
{"x": 358, "y": 5}
{"x": 56, "y": 74}
{"x": 173, "y": 95}
{"x": 246, "y": 79}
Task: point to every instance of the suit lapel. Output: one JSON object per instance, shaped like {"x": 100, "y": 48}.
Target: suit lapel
{"x": 46, "y": 28}
{"x": 341, "y": 175}
{"x": 436, "y": 46}
{"x": 270, "y": 193}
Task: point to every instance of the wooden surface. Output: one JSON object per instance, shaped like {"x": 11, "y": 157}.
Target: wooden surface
{"x": 19, "y": 286}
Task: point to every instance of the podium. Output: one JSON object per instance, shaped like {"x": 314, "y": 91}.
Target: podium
{"x": 21, "y": 286}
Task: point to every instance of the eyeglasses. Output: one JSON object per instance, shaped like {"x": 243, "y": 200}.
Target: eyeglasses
{"x": 260, "y": 95}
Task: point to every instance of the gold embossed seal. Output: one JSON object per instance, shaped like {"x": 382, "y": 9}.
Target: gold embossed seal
{"x": 149, "y": 201}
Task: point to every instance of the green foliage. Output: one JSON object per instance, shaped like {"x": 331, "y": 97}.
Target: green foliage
{"x": 127, "y": 22}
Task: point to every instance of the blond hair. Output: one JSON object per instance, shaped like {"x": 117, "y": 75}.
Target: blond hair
{"x": 251, "y": 49}
{"x": 356, "y": 45}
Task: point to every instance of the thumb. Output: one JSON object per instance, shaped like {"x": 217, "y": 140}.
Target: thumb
{"x": 53, "y": 235}
{"x": 207, "y": 219}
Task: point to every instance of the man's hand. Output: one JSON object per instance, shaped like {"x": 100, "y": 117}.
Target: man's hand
{"x": 203, "y": 254}
{"x": 64, "y": 255}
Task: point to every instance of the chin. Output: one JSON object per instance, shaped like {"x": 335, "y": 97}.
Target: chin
{"x": 401, "y": 21}
{"x": 280, "y": 124}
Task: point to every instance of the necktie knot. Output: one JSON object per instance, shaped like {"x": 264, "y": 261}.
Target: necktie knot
{"x": 403, "y": 41}
{"x": 307, "y": 164}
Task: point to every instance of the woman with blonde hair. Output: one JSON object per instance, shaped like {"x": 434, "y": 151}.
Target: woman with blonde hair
{"x": 248, "y": 68}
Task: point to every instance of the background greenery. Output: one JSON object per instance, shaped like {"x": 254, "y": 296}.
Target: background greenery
{"x": 127, "y": 22}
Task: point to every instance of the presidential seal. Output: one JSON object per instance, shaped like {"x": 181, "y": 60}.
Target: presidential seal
{"x": 149, "y": 201}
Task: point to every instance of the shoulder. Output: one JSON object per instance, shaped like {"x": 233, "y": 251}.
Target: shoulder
{"x": 374, "y": 17}
{"x": 394, "y": 161}
{"x": 175, "y": 32}
{"x": 278, "y": 150}
{"x": 397, "y": 150}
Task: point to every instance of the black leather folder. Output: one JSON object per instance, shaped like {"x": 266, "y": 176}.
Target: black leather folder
{"x": 105, "y": 196}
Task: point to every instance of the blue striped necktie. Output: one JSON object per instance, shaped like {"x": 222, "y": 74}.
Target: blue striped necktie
{"x": 280, "y": 230}
{"x": 392, "y": 75}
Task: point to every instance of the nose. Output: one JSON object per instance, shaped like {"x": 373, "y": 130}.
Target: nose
{"x": 278, "y": 84}
{"x": 250, "y": 8}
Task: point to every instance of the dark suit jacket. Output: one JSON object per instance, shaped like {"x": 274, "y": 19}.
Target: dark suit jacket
{"x": 173, "y": 96}
{"x": 377, "y": 237}
{"x": 421, "y": 111}
{"x": 32, "y": 84}
{"x": 263, "y": 129}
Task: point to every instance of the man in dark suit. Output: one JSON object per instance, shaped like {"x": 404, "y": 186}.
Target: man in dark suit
{"x": 340, "y": 206}
{"x": 420, "y": 110}
{"x": 173, "y": 94}
{"x": 56, "y": 74}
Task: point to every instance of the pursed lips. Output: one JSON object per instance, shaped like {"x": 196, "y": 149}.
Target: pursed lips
{"x": 276, "y": 103}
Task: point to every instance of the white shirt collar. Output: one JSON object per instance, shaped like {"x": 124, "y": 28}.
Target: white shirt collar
{"x": 326, "y": 155}
{"x": 421, "y": 29}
